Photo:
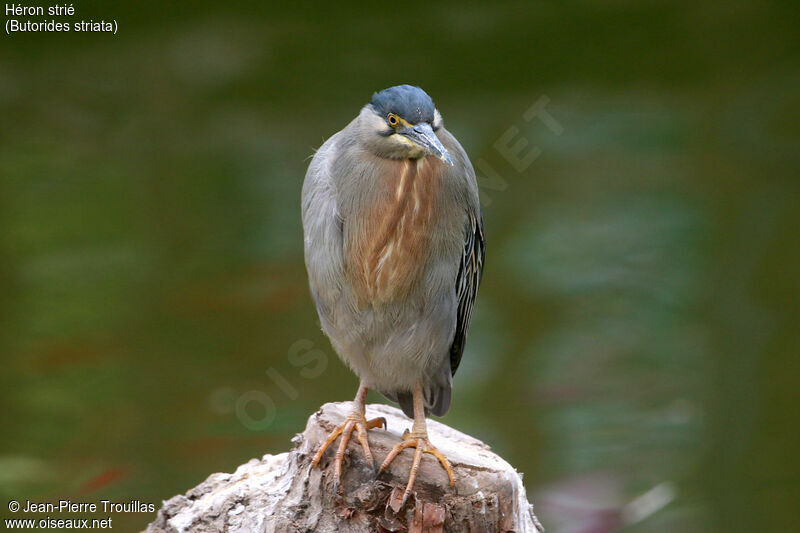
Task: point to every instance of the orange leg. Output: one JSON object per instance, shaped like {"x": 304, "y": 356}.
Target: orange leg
{"x": 417, "y": 438}
{"x": 355, "y": 420}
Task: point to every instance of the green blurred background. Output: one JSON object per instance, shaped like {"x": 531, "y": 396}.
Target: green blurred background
{"x": 637, "y": 330}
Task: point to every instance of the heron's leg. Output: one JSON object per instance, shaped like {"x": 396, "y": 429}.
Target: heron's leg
{"x": 417, "y": 438}
{"x": 355, "y": 420}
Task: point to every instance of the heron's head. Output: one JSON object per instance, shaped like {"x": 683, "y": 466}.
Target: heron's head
{"x": 401, "y": 122}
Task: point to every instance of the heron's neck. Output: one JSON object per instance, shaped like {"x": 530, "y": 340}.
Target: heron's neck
{"x": 392, "y": 243}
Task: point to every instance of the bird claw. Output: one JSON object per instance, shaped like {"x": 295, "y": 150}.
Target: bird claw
{"x": 354, "y": 421}
{"x": 405, "y": 498}
{"x": 422, "y": 445}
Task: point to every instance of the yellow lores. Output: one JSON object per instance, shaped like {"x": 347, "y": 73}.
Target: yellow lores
{"x": 414, "y": 150}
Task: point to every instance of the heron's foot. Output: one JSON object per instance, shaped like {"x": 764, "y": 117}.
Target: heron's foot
{"x": 354, "y": 421}
{"x": 423, "y": 445}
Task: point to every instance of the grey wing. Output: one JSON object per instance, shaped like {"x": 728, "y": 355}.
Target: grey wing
{"x": 467, "y": 281}
{"x": 322, "y": 228}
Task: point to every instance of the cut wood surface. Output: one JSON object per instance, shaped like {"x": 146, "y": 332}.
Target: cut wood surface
{"x": 281, "y": 493}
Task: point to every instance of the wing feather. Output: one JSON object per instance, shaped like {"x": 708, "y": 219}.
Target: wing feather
{"x": 469, "y": 276}
{"x": 322, "y": 227}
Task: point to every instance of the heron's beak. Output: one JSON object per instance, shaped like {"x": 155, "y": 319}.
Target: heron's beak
{"x": 422, "y": 134}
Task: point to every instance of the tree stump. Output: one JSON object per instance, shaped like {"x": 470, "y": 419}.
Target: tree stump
{"x": 280, "y": 493}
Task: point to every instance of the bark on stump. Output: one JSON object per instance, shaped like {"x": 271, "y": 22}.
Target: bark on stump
{"x": 280, "y": 493}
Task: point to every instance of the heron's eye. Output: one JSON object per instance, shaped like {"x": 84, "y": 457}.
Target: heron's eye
{"x": 393, "y": 119}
